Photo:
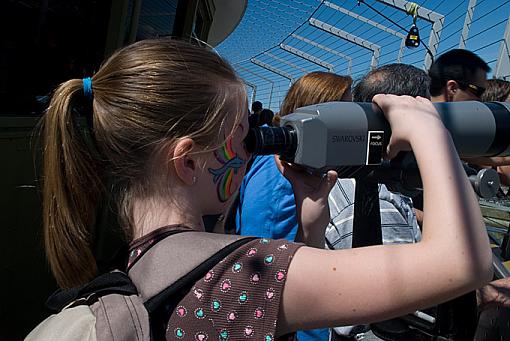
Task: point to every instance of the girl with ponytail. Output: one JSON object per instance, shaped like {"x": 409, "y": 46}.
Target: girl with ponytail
{"x": 164, "y": 141}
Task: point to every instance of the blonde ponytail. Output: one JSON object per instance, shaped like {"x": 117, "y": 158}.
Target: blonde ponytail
{"x": 72, "y": 189}
{"x": 145, "y": 96}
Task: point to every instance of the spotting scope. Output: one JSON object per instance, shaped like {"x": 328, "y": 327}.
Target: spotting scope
{"x": 351, "y": 138}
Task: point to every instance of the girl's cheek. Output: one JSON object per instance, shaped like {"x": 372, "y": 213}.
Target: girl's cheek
{"x": 232, "y": 161}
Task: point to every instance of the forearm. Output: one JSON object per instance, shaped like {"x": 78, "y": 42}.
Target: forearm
{"x": 452, "y": 219}
{"x": 419, "y": 217}
{"x": 504, "y": 174}
{"x": 312, "y": 225}
{"x": 312, "y": 206}
{"x": 314, "y": 236}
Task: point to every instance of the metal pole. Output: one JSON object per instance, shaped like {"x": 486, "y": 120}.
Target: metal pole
{"x": 254, "y": 90}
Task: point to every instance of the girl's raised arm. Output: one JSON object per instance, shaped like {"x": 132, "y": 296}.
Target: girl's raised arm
{"x": 355, "y": 286}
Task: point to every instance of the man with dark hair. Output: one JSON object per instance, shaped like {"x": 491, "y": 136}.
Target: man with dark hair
{"x": 254, "y": 118}
{"x": 266, "y": 117}
{"x": 256, "y": 107}
{"x": 458, "y": 75}
{"x": 398, "y": 221}
{"x": 396, "y": 79}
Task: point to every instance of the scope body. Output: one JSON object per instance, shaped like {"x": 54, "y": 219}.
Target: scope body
{"x": 351, "y": 138}
{"x": 354, "y": 134}
{"x": 338, "y": 134}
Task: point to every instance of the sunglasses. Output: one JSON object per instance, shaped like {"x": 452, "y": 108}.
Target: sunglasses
{"x": 474, "y": 89}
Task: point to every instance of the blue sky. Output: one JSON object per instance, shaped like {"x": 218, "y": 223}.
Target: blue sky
{"x": 268, "y": 23}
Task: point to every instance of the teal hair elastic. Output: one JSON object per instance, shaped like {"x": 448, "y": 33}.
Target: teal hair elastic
{"x": 87, "y": 87}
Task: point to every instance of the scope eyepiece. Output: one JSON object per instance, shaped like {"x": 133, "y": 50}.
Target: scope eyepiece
{"x": 272, "y": 140}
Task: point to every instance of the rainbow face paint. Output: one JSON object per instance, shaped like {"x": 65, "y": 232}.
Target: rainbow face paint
{"x": 223, "y": 176}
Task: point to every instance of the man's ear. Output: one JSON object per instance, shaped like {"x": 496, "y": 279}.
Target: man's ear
{"x": 185, "y": 163}
{"x": 451, "y": 89}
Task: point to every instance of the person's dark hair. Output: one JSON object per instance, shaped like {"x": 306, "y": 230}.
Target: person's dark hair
{"x": 497, "y": 90}
{"x": 460, "y": 65}
{"x": 256, "y": 106}
{"x": 395, "y": 79}
{"x": 146, "y": 96}
{"x": 266, "y": 117}
{"x": 253, "y": 120}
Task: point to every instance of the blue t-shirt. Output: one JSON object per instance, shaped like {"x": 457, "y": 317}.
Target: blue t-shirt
{"x": 267, "y": 209}
{"x": 266, "y": 202}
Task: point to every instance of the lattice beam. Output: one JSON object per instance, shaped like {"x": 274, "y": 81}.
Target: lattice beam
{"x": 376, "y": 49}
{"x": 372, "y": 23}
{"x": 467, "y": 24}
{"x": 281, "y": 60}
{"x": 503, "y": 66}
{"x": 325, "y": 48}
{"x": 307, "y": 56}
{"x": 272, "y": 69}
{"x": 259, "y": 76}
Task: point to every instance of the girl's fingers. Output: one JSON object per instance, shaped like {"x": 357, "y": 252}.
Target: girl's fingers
{"x": 381, "y": 100}
{"x": 390, "y": 152}
{"x": 330, "y": 180}
{"x": 301, "y": 178}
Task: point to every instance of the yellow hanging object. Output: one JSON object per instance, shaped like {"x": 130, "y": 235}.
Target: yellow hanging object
{"x": 412, "y": 9}
{"x": 413, "y": 36}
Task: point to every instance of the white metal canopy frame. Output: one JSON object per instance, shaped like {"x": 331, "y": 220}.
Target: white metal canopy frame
{"x": 353, "y": 37}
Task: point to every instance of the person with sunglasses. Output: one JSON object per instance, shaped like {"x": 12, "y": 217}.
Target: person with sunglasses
{"x": 458, "y": 75}
{"x": 455, "y": 76}
{"x": 461, "y": 75}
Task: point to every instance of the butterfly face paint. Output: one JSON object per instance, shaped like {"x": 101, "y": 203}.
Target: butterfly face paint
{"x": 223, "y": 176}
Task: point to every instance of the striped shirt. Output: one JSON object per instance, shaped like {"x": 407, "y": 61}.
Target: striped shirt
{"x": 398, "y": 221}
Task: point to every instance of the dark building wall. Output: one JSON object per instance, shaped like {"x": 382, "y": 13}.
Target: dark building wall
{"x": 26, "y": 280}
{"x": 43, "y": 43}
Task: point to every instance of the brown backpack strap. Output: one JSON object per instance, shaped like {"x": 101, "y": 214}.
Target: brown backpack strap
{"x": 121, "y": 318}
{"x": 168, "y": 270}
{"x": 176, "y": 256}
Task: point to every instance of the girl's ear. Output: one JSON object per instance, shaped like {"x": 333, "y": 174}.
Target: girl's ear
{"x": 185, "y": 164}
